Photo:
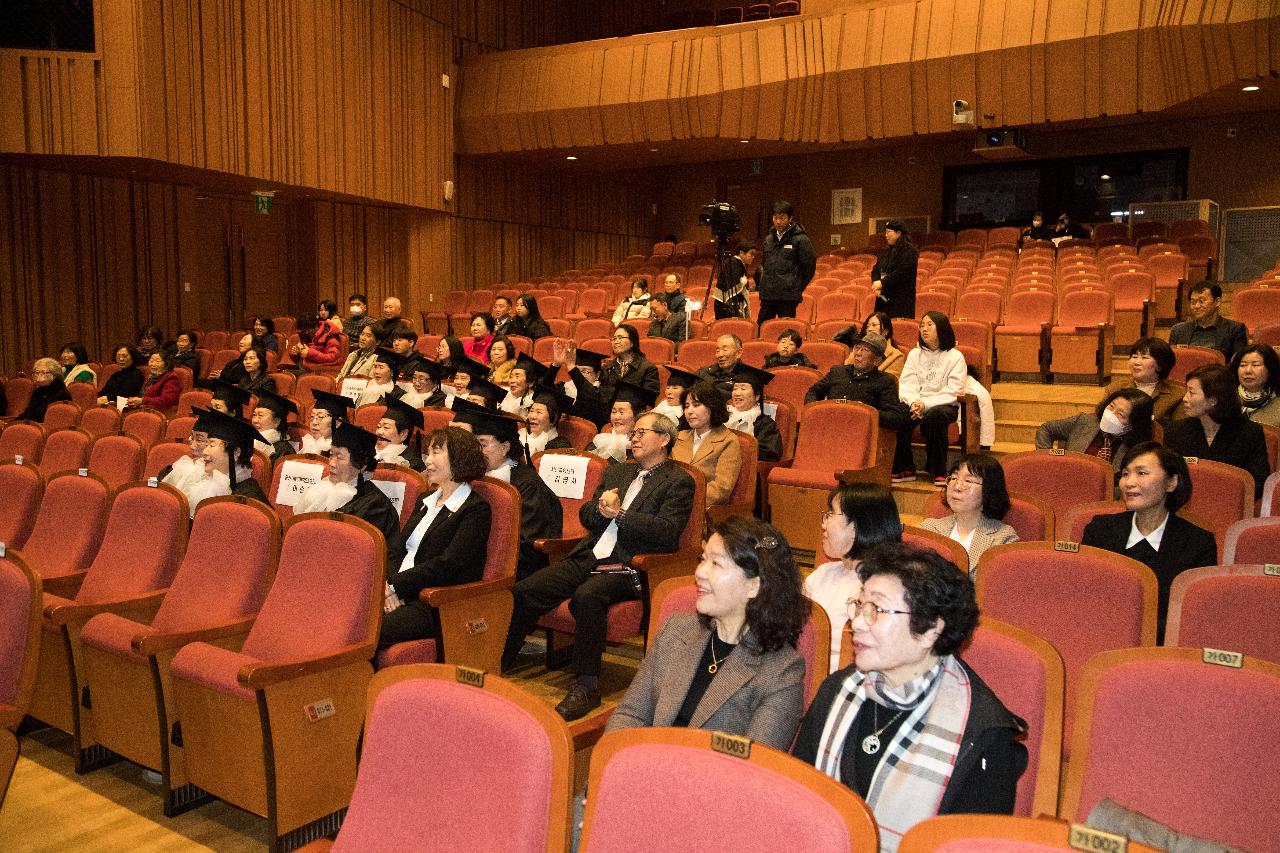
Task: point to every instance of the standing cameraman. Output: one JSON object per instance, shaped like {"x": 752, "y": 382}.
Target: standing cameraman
{"x": 730, "y": 292}
{"x": 788, "y": 266}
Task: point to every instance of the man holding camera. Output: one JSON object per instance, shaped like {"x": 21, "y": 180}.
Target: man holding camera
{"x": 788, "y": 265}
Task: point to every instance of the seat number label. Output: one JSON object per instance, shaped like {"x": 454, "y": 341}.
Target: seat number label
{"x": 738, "y": 747}
{"x": 477, "y": 626}
{"x": 1220, "y": 657}
{"x": 1086, "y": 838}
{"x": 467, "y": 675}
{"x": 317, "y": 711}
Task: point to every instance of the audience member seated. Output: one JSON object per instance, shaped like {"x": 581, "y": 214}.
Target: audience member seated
{"x": 399, "y": 435}
{"x": 127, "y": 380}
{"x": 978, "y": 500}
{"x": 74, "y": 359}
{"x": 1154, "y": 484}
{"x": 614, "y": 440}
{"x": 256, "y": 379}
{"x": 233, "y": 371}
{"x": 672, "y": 325}
{"x": 541, "y": 433}
{"x": 635, "y": 306}
{"x": 862, "y": 382}
{"x": 524, "y": 375}
{"x": 391, "y": 310}
{"x": 467, "y": 374}
{"x": 228, "y": 461}
{"x": 628, "y": 362}
{"x": 503, "y": 313}
{"x": 482, "y": 392}
{"x": 357, "y": 316}
{"x": 150, "y": 339}
{"x": 788, "y": 354}
{"x": 728, "y": 355}
{"x": 184, "y": 352}
{"x": 228, "y": 399}
{"x": 637, "y": 509}
{"x": 347, "y": 488}
{"x": 327, "y": 412}
{"x": 1121, "y": 420}
{"x": 893, "y": 277}
{"x": 481, "y": 338}
{"x": 930, "y": 385}
{"x": 425, "y": 391}
{"x": 402, "y": 341}
{"x": 678, "y": 381}
{"x": 382, "y": 377}
{"x": 947, "y": 745}
{"x": 319, "y": 345}
{"x": 746, "y": 414}
{"x": 528, "y": 321}
{"x": 749, "y": 617}
{"x": 191, "y": 467}
{"x": 327, "y": 313}
{"x": 1037, "y": 230}
{"x": 1067, "y": 228}
{"x": 861, "y": 515}
{"x": 46, "y": 376}
{"x": 264, "y": 329}
{"x": 1150, "y": 360}
{"x": 360, "y": 360}
{"x": 450, "y": 354}
{"x": 502, "y": 358}
{"x": 1215, "y": 427}
{"x": 444, "y": 542}
{"x": 878, "y": 324}
{"x": 162, "y": 387}
{"x": 671, "y": 284}
{"x": 707, "y": 444}
{"x": 1257, "y": 368}
{"x": 270, "y": 418}
{"x": 540, "y": 515}
{"x": 1207, "y": 327}
{"x": 584, "y": 388}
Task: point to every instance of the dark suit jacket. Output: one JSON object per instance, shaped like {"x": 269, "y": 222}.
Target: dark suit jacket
{"x": 250, "y": 488}
{"x": 878, "y": 390}
{"x": 451, "y": 552}
{"x": 1239, "y": 442}
{"x": 371, "y": 505}
{"x": 1183, "y": 547}
{"x": 653, "y": 522}
{"x": 755, "y": 694}
{"x": 540, "y": 517}
{"x": 640, "y": 372}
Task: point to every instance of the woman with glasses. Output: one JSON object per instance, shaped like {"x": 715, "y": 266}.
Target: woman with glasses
{"x": 861, "y": 515}
{"x": 628, "y": 361}
{"x": 910, "y": 726}
{"x": 46, "y": 376}
{"x": 978, "y": 500}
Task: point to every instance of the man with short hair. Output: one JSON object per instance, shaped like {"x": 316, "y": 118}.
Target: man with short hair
{"x": 721, "y": 373}
{"x": 357, "y": 316}
{"x": 638, "y": 509}
{"x": 1207, "y": 327}
{"x": 391, "y": 318}
{"x": 360, "y": 360}
{"x": 403, "y": 341}
{"x": 502, "y": 314}
{"x": 788, "y": 266}
{"x": 675, "y": 298}
{"x": 665, "y": 324}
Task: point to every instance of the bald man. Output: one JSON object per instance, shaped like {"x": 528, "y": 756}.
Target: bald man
{"x": 390, "y": 319}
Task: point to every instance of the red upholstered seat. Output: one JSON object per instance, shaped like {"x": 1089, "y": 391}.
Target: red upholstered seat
{"x": 1256, "y": 306}
{"x": 1080, "y": 343}
{"x": 23, "y": 488}
{"x": 1071, "y": 525}
{"x": 99, "y": 420}
{"x": 65, "y": 450}
{"x": 837, "y": 306}
{"x": 1252, "y": 540}
{"x": 791, "y": 384}
{"x": 1271, "y": 497}
{"x": 67, "y": 531}
{"x": 755, "y": 352}
{"x": 20, "y": 600}
{"x": 368, "y": 415}
{"x": 980, "y": 305}
{"x": 1030, "y": 517}
{"x": 825, "y": 354}
{"x": 984, "y": 833}
{"x": 23, "y": 439}
{"x": 1189, "y": 358}
{"x": 1166, "y": 715}
{"x": 1021, "y": 341}
{"x": 117, "y": 459}
{"x": 740, "y": 326}
{"x": 18, "y": 392}
{"x": 695, "y": 354}
{"x": 636, "y": 800}
{"x": 61, "y": 415}
{"x": 179, "y": 428}
{"x": 1060, "y": 479}
{"x": 1221, "y": 495}
{"x": 1226, "y": 607}
{"x": 164, "y": 455}
{"x": 279, "y": 489}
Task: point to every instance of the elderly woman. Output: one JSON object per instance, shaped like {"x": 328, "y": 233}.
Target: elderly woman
{"x": 46, "y": 375}
{"x": 162, "y": 387}
{"x": 443, "y": 543}
{"x": 614, "y": 441}
{"x": 1120, "y": 421}
{"x": 746, "y": 413}
{"x": 861, "y": 515}
{"x": 930, "y": 385}
{"x": 502, "y": 358}
{"x": 1150, "y": 360}
{"x": 397, "y": 430}
{"x": 74, "y": 359}
{"x": 327, "y": 412}
{"x": 1215, "y": 428}
{"x": 749, "y": 616}
{"x": 978, "y": 500}
{"x": 909, "y": 726}
{"x": 1154, "y": 484}
{"x": 185, "y": 355}
{"x": 541, "y": 433}
{"x": 382, "y": 377}
{"x": 520, "y": 384}
{"x": 707, "y": 444}
{"x": 347, "y": 488}
{"x": 481, "y": 337}
{"x": 425, "y": 390}
{"x": 1257, "y": 368}
{"x": 127, "y": 380}
{"x": 228, "y": 462}
{"x": 270, "y": 417}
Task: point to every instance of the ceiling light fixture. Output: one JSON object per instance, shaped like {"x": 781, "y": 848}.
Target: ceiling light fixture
{"x": 571, "y": 157}
{"x": 1105, "y": 177}
{"x": 1249, "y": 89}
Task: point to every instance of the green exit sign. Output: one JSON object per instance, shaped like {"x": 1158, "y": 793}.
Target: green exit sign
{"x": 262, "y": 203}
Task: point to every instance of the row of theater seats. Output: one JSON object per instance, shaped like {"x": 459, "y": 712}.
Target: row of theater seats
{"x": 723, "y": 15}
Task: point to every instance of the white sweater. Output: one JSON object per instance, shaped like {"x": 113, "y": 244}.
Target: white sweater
{"x": 934, "y": 377}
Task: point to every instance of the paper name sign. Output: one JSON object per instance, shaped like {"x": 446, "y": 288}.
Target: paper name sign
{"x": 121, "y": 402}
{"x": 353, "y": 387}
{"x": 296, "y": 476}
{"x": 565, "y": 475}
{"x": 394, "y": 490}
{"x": 770, "y": 409}
{"x": 1086, "y": 838}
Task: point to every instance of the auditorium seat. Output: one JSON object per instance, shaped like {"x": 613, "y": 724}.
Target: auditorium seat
{"x": 791, "y": 384}
{"x": 793, "y": 806}
{"x": 117, "y": 459}
{"x": 83, "y": 394}
{"x": 273, "y": 728}
{"x": 21, "y": 439}
{"x": 65, "y": 450}
{"x": 1022, "y": 342}
{"x": 1061, "y": 479}
{"x": 1255, "y": 306}
{"x": 368, "y": 415}
{"x": 1136, "y": 724}
{"x": 411, "y": 485}
{"x": 179, "y": 428}
{"x": 100, "y": 420}
{"x": 1031, "y": 517}
{"x": 696, "y": 354}
{"x": 1270, "y": 504}
{"x": 945, "y": 546}
{"x": 742, "y": 500}
{"x": 61, "y": 415}
{"x": 1226, "y": 607}
{"x": 20, "y": 599}
{"x": 1077, "y": 516}
{"x": 825, "y": 354}
{"x": 190, "y": 400}
{"x": 1221, "y": 495}
{"x": 18, "y": 392}
{"x": 986, "y": 833}
{"x": 163, "y": 455}
{"x": 1252, "y": 540}
{"x": 284, "y": 495}
{"x": 755, "y": 352}
{"x": 745, "y": 329}
{"x": 1080, "y": 342}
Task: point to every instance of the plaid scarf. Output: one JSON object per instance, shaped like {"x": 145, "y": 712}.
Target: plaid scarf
{"x": 908, "y": 784}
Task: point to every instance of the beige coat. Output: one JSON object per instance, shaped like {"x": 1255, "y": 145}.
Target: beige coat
{"x": 718, "y": 456}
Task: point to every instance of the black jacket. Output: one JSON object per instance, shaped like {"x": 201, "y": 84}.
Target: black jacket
{"x": 640, "y": 372}
{"x": 371, "y": 505}
{"x": 1239, "y": 442}
{"x": 190, "y": 360}
{"x": 257, "y": 386}
{"x": 591, "y": 403}
{"x": 675, "y": 328}
{"x": 896, "y": 272}
{"x": 540, "y": 517}
{"x": 653, "y": 522}
{"x": 123, "y": 383}
{"x": 768, "y": 438}
{"x": 249, "y": 488}
{"x": 876, "y": 389}
{"x": 452, "y": 551}
{"x": 41, "y": 397}
{"x": 985, "y": 777}
{"x": 788, "y": 265}
{"x": 531, "y": 327}
{"x": 722, "y": 378}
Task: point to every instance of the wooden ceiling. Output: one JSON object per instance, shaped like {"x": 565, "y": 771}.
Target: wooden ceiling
{"x": 868, "y": 73}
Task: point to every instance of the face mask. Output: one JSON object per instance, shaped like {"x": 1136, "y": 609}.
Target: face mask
{"x": 1111, "y": 425}
{"x": 357, "y": 311}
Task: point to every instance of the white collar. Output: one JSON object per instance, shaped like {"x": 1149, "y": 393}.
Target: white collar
{"x": 455, "y": 500}
{"x": 1154, "y": 538}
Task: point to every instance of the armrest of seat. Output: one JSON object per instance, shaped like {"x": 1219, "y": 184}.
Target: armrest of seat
{"x": 140, "y": 609}
{"x": 881, "y": 471}
{"x": 659, "y": 567}
{"x": 437, "y": 596}
{"x": 10, "y": 717}
{"x": 473, "y": 619}
{"x": 66, "y": 586}
{"x": 587, "y": 731}
{"x": 150, "y": 644}
{"x": 260, "y": 674}
{"x": 557, "y": 549}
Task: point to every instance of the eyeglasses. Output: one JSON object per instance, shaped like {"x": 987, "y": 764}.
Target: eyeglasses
{"x": 639, "y": 433}
{"x": 829, "y": 515}
{"x": 870, "y": 611}
{"x": 955, "y": 480}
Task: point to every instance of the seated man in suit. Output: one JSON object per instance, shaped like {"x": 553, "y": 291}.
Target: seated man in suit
{"x": 637, "y": 509}
{"x": 1207, "y": 327}
{"x": 721, "y": 373}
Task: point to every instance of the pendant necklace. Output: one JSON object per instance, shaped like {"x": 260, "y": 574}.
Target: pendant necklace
{"x": 871, "y": 743}
{"x": 715, "y": 663}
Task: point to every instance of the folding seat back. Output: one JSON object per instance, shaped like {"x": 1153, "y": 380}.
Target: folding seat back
{"x": 23, "y": 489}
{"x": 285, "y": 491}
{"x": 1221, "y": 495}
{"x": 61, "y": 415}
{"x": 826, "y": 354}
{"x": 826, "y": 330}
{"x": 455, "y": 301}
{"x": 972, "y": 237}
{"x": 945, "y": 546}
{"x": 434, "y": 419}
{"x": 984, "y": 833}
{"x": 179, "y": 429}
{"x": 514, "y": 751}
{"x": 20, "y": 607}
{"x": 222, "y": 358}
{"x": 480, "y": 300}
{"x": 1232, "y": 607}
{"x": 1252, "y": 540}
{"x": 745, "y": 329}
{"x": 163, "y": 455}
{"x": 284, "y": 383}
{"x": 18, "y": 392}
{"x": 934, "y": 301}
{"x": 83, "y": 394}
{"x": 791, "y": 384}
{"x": 65, "y": 450}
{"x": 68, "y": 526}
{"x": 755, "y": 352}
{"x": 696, "y": 354}
{"x": 551, "y": 307}
{"x": 309, "y": 382}
{"x": 579, "y": 431}
{"x": 144, "y": 541}
{"x": 21, "y": 439}
{"x": 117, "y": 459}
{"x": 100, "y": 420}
{"x": 594, "y": 327}
{"x": 1028, "y": 310}
{"x": 1136, "y": 725}
{"x": 1255, "y": 306}
{"x": 1027, "y": 674}
{"x": 1189, "y": 358}
{"x": 592, "y": 302}
{"x": 368, "y": 415}
{"x": 1112, "y": 599}
{"x": 215, "y": 340}
{"x": 836, "y": 306}
{"x": 1198, "y": 247}
{"x": 1007, "y": 236}
{"x": 1140, "y": 230}
{"x": 979, "y": 305}
{"x": 186, "y": 381}
{"x": 1061, "y": 479}
{"x": 742, "y": 499}
{"x": 794, "y": 806}
{"x": 403, "y": 485}
{"x": 190, "y": 400}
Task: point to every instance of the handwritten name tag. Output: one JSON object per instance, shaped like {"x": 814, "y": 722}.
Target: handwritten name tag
{"x": 1086, "y": 838}
{"x": 296, "y": 476}
{"x": 1221, "y": 657}
{"x": 394, "y": 490}
{"x": 353, "y": 387}
{"x": 565, "y": 475}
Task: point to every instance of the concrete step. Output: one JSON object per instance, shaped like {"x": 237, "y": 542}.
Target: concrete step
{"x": 1016, "y": 431}
{"x": 1042, "y": 410}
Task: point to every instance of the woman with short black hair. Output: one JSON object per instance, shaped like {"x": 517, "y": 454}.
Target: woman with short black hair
{"x": 1257, "y": 368}
{"x": 978, "y": 500}
{"x": 127, "y": 380}
{"x": 74, "y": 359}
{"x": 1150, "y": 361}
{"x": 1120, "y": 421}
{"x": 1215, "y": 427}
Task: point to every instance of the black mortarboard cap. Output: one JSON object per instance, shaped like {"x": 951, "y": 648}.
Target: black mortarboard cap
{"x": 683, "y": 378}
{"x": 554, "y": 399}
{"x": 335, "y": 404}
{"x": 533, "y": 369}
{"x": 278, "y": 405}
{"x": 639, "y": 398}
{"x": 755, "y": 376}
{"x": 472, "y": 368}
{"x": 411, "y": 415}
{"x": 233, "y": 395}
{"x": 355, "y": 439}
{"x": 590, "y": 358}
{"x": 482, "y": 387}
{"x": 437, "y": 371}
{"x": 500, "y": 425}
{"x": 236, "y": 432}
{"x": 390, "y": 358}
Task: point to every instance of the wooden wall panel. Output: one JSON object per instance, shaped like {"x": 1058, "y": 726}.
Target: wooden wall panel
{"x": 868, "y": 71}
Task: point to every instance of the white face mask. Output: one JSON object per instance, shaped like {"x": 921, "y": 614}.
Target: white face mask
{"x": 357, "y": 311}
{"x": 1111, "y": 425}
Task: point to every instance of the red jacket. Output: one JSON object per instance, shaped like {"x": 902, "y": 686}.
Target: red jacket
{"x": 324, "y": 347}
{"x": 163, "y": 393}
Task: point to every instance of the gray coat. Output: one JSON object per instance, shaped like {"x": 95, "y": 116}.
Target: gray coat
{"x": 1076, "y": 433}
{"x": 989, "y": 533}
